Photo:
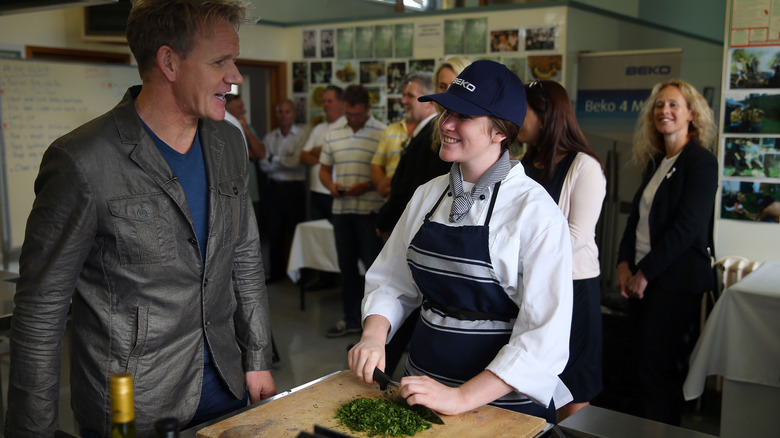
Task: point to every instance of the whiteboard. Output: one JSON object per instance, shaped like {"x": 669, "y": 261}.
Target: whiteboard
{"x": 39, "y": 102}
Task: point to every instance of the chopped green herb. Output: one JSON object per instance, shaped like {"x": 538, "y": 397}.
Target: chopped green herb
{"x": 380, "y": 418}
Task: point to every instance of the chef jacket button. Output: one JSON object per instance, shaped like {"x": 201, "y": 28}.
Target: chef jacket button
{"x": 449, "y": 194}
{"x": 192, "y": 241}
{"x": 142, "y": 212}
{"x": 205, "y": 281}
{"x": 235, "y": 190}
{"x": 482, "y": 197}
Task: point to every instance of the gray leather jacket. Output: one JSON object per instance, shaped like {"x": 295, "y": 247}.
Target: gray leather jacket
{"x": 110, "y": 230}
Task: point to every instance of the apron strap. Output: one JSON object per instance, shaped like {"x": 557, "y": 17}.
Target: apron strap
{"x": 464, "y": 315}
{"x": 435, "y": 206}
{"x": 492, "y": 202}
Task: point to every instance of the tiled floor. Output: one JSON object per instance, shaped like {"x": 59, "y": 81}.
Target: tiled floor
{"x": 306, "y": 354}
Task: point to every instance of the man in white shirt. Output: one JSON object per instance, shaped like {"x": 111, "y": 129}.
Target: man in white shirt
{"x": 320, "y": 200}
{"x": 285, "y": 195}
{"x": 235, "y": 113}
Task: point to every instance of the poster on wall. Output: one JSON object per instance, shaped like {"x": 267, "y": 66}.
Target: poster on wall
{"x": 395, "y": 74}
{"x": 475, "y": 35}
{"x": 453, "y": 36}
{"x": 750, "y": 111}
{"x": 403, "y": 44}
{"x": 754, "y": 23}
{"x": 364, "y": 42}
{"x": 754, "y": 67}
{"x": 300, "y": 76}
{"x": 751, "y": 157}
{"x": 541, "y": 38}
{"x": 309, "y": 43}
{"x": 372, "y": 72}
{"x": 422, "y": 65}
{"x": 383, "y": 41}
{"x": 504, "y": 40}
{"x": 516, "y": 65}
{"x": 545, "y": 68}
{"x": 321, "y": 72}
{"x": 301, "y": 106}
{"x": 345, "y": 43}
{"x": 346, "y": 73}
{"x": 750, "y": 201}
{"x": 327, "y": 43}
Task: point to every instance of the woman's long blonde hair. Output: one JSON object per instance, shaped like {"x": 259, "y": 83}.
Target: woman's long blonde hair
{"x": 456, "y": 64}
{"x": 648, "y": 142}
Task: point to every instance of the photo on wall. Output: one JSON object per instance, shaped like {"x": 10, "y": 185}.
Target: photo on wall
{"x": 372, "y": 72}
{"x": 300, "y": 108}
{"x": 383, "y": 41}
{"x": 545, "y": 68}
{"x": 516, "y": 65}
{"x": 345, "y": 43}
{"x": 309, "y": 43}
{"x": 420, "y": 65}
{"x": 752, "y": 157}
{"x": 346, "y": 73}
{"x": 395, "y": 75}
{"x": 541, "y": 38}
{"x": 395, "y": 110}
{"x": 750, "y": 201}
{"x": 504, "y": 40}
{"x": 315, "y": 97}
{"x": 300, "y": 77}
{"x": 403, "y": 44}
{"x": 320, "y": 72}
{"x": 377, "y": 98}
{"x": 327, "y": 43}
{"x": 754, "y": 67}
{"x": 752, "y": 112}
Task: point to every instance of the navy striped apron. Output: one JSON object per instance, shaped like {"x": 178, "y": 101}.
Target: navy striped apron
{"x": 466, "y": 315}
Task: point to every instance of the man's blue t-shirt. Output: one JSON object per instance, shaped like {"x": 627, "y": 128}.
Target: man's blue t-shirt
{"x": 190, "y": 171}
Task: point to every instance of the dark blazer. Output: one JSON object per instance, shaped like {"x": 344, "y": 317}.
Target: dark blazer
{"x": 419, "y": 164}
{"x": 679, "y": 222}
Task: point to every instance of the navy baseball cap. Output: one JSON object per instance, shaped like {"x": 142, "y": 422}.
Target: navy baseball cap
{"x": 484, "y": 88}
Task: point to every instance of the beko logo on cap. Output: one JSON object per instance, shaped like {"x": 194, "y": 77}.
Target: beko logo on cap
{"x": 465, "y": 84}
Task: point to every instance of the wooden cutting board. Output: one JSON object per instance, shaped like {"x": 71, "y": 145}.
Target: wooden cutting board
{"x": 317, "y": 404}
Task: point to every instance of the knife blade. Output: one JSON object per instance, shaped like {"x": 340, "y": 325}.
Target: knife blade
{"x": 425, "y": 412}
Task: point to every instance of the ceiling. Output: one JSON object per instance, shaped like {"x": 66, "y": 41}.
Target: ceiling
{"x": 312, "y": 11}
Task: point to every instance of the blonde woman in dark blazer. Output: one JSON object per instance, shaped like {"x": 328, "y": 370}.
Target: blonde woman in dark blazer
{"x": 664, "y": 263}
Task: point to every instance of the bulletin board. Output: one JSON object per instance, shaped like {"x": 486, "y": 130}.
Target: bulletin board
{"x": 749, "y": 146}
{"x": 39, "y": 102}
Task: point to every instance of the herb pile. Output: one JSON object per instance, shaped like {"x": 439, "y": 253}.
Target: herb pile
{"x": 380, "y": 417}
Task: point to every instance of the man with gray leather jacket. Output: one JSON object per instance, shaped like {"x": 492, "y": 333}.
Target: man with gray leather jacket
{"x": 143, "y": 225}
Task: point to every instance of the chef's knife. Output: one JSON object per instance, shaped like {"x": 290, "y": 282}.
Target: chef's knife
{"x": 425, "y": 412}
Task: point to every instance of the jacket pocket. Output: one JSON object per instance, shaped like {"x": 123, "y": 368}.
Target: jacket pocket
{"x": 229, "y": 208}
{"x": 141, "y": 331}
{"x": 143, "y": 229}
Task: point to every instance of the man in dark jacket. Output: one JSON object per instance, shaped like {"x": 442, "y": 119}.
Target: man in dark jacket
{"x": 143, "y": 225}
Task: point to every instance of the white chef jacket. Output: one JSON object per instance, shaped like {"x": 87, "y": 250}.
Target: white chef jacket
{"x": 530, "y": 249}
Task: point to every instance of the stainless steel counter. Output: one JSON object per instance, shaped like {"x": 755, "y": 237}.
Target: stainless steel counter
{"x": 593, "y": 421}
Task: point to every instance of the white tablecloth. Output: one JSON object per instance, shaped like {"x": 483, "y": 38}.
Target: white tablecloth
{"x": 741, "y": 340}
{"x": 313, "y": 246}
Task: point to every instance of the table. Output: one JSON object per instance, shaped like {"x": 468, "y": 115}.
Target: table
{"x": 313, "y": 247}
{"x": 741, "y": 342}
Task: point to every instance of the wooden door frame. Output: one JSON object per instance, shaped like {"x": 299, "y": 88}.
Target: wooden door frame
{"x": 277, "y": 82}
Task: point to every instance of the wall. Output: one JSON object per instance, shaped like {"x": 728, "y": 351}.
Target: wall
{"x": 701, "y": 60}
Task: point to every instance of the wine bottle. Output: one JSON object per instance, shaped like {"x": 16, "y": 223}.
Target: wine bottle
{"x": 122, "y": 407}
{"x": 167, "y": 428}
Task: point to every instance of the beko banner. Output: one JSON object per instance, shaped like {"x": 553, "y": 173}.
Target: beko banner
{"x": 612, "y": 86}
